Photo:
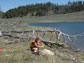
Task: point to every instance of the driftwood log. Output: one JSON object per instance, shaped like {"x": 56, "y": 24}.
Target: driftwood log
{"x": 18, "y": 31}
{"x": 43, "y": 40}
{"x": 46, "y": 42}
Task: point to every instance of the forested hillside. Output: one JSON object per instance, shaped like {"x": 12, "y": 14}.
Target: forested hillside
{"x": 1, "y": 13}
{"x": 43, "y": 9}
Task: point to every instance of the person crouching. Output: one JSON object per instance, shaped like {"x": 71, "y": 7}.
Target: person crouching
{"x": 34, "y": 46}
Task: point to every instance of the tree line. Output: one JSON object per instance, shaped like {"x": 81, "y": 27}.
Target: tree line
{"x": 43, "y": 9}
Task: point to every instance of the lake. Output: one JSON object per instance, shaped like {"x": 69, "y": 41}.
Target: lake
{"x": 74, "y": 29}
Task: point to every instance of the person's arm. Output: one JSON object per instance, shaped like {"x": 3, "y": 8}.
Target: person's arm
{"x": 38, "y": 45}
{"x": 42, "y": 44}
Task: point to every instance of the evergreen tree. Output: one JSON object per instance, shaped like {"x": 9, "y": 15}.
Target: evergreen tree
{"x": 42, "y": 9}
{"x": 1, "y": 13}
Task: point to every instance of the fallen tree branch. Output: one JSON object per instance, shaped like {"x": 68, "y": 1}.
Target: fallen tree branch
{"x": 44, "y": 41}
{"x": 18, "y": 31}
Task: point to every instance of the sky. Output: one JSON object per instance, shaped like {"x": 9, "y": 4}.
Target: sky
{"x": 5, "y": 5}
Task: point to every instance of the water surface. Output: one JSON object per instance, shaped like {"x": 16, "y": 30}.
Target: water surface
{"x": 70, "y": 28}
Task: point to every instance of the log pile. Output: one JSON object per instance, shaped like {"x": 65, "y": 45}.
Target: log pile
{"x": 18, "y": 31}
{"x": 46, "y": 42}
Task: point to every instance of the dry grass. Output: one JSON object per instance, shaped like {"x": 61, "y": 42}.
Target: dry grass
{"x": 19, "y": 53}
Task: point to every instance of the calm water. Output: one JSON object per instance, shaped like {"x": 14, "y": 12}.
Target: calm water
{"x": 70, "y": 28}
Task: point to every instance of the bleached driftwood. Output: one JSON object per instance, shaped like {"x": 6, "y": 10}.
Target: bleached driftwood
{"x": 46, "y": 42}
{"x": 18, "y": 31}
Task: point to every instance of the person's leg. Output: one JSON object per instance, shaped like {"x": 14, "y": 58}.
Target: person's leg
{"x": 32, "y": 50}
{"x": 36, "y": 50}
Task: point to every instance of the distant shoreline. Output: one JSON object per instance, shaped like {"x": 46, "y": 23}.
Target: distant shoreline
{"x": 69, "y": 17}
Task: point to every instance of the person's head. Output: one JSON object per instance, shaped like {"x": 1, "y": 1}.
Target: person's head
{"x": 36, "y": 40}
